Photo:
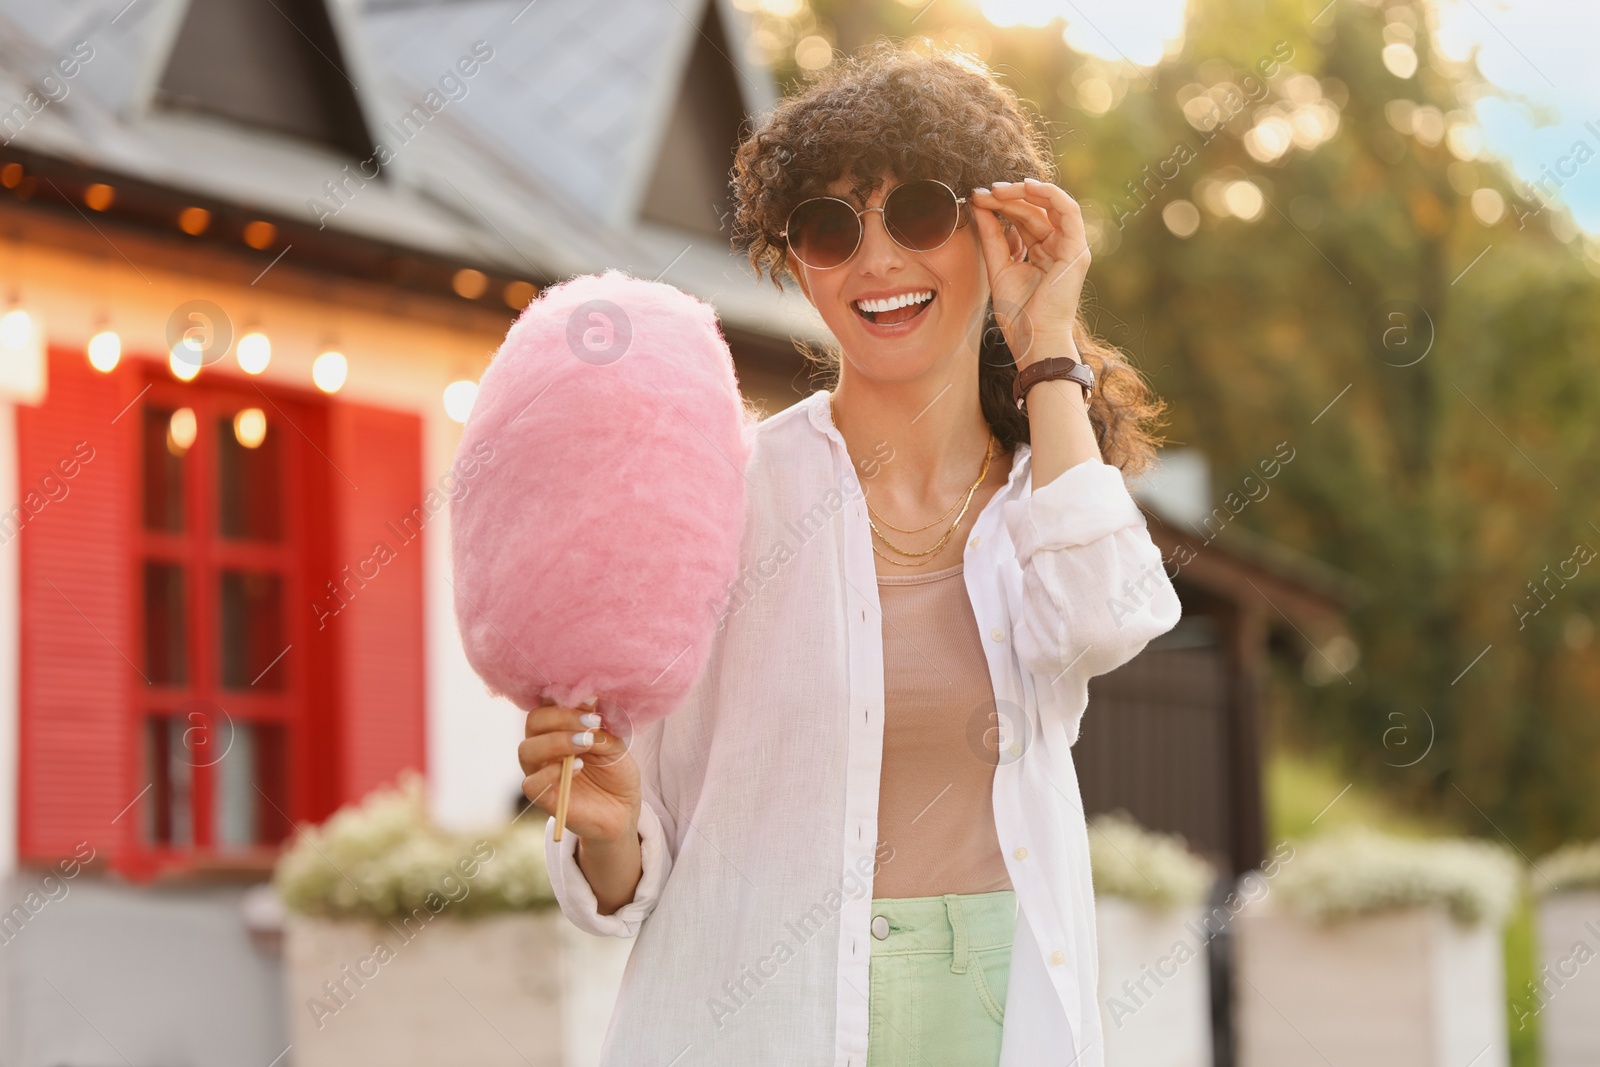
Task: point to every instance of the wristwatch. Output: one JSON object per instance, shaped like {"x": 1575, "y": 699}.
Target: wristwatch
{"x": 1046, "y": 369}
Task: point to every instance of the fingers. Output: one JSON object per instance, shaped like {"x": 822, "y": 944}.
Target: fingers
{"x": 993, "y": 240}
{"x": 1058, "y": 206}
{"x": 1022, "y": 245}
{"x": 542, "y": 786}
{"x": 540, "y": 750}
{"x": 549, "y": 717}
{"x": 1030, "y": 216}
{"x": 1037, "y": 203}
{"x": 1063, "y": 211}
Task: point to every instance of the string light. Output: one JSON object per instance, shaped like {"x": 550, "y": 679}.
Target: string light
{"x": 259, "y": 234}
{"x": 182, "y": 428}
{"x": 518, "y": 293}
{"x": 16, "y": 329}
{"x": 458, "y": 399}
{"x": 105, "y": 351}
{"x": 469, "y": 284}
{"x": 184, "y": 361}
{"x": 329, "y": 371}
{"x": 250, "y": 427}
{"x": 194, "y": 220}
{"x": 254, "y": 352}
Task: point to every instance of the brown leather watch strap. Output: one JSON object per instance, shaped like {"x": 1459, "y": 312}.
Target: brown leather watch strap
{"x": 1047, "y": 369}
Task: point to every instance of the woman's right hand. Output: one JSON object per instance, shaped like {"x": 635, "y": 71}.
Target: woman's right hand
{"x": 605, "y": 799}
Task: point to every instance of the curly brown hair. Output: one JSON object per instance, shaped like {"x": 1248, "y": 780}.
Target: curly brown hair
{"x": 925, "y": 113}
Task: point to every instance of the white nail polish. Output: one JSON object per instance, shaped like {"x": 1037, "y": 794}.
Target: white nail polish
{"x": 577, "y": 763}
{"x": 590, "y": 719}
{"x": 585, "y": 738}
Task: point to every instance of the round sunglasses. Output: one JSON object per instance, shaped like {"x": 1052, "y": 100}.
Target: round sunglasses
{"x": 920, "y": 216}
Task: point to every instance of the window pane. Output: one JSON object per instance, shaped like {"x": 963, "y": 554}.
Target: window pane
{"x": 250, "y": 799}
{"x": 248, "y": 486}
{"x": 168, "y": 819}
{"x": 252, "y": 630}
{"x": 235, "y": 805}
{"x": 163, "y": 472}
{"x": 166, "y": 660}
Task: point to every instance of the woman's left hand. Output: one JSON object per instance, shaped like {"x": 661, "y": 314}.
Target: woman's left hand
{"x": 1037, "y": 268}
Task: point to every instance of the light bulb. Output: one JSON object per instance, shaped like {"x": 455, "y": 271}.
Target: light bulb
{"x": 182, "y": 429}
{"x": 184, "y": 361}
{"x": 250, "y": 427}
{"x": 254, "y": 352}
{"x": 16, "y": 329}
{"x": 458, "y": 399}
{"x": 105, "y": 350}
{"x": 329, "y": 371}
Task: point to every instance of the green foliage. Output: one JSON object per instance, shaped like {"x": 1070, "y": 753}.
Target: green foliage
{"x": 1307, "y": 794}
{"x": 1457, "y": 488}
{"x": 1522, "y": 1025}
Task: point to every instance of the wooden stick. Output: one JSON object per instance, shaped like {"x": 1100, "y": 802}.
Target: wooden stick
{"x": 563, "y": 795}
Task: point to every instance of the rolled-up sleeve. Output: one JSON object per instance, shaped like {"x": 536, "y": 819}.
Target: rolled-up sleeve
{"x": 577, "y": 899}
{"x": 572, "y": 889}
{"x": 1095, "y": 590}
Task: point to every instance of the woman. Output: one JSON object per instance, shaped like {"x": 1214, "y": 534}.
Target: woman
{"x": 860, "y": 842}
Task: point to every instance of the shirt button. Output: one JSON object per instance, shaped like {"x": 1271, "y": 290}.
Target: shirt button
{"x": 1016, "y": 748}
{"x": 974, "y": 542}
{"x": 880, "y": 927}
{"x": 1021, "y": 853}
{"x": 1058, "y": 956}
{"x": 998, "y": 634}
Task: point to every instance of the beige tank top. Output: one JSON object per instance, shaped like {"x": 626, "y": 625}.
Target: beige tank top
{"x": 935, "y": 803}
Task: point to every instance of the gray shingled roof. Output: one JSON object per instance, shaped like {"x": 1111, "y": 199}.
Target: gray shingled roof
{"x": 538, "y": 169}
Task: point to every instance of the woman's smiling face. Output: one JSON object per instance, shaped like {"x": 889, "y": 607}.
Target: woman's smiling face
{"x": 943, "y": 293}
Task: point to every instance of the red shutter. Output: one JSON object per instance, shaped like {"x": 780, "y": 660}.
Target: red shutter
{"x": 80, "y": 662}
{"x": 374, "y": 613}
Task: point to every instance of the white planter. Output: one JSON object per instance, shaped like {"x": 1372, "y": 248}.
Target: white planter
{"x": 522, "y": 990}
{"x": 1409, "y": 988}
{"x": 1155, "y": 992}
{"x": 1568, "y": 999}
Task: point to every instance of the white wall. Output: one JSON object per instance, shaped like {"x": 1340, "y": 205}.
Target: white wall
{"x": 472, "y": 737}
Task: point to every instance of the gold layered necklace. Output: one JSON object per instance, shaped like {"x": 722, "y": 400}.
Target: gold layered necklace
{"x": 965, "y": 502}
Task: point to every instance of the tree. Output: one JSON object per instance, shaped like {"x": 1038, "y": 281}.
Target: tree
{"x": 1346, "y": 287}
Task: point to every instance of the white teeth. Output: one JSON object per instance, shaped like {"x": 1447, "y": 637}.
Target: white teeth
{"x": 892, "y": 302}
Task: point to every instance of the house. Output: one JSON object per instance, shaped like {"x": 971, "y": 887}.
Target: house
{"x": 253, "y": 253}
{"x": 1174, "y": 737}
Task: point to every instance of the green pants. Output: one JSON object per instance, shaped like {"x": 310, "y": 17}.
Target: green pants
{"x": 938, "y": 977}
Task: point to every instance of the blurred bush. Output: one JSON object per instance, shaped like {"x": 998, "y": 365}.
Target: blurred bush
{"x": 1143, "y": 866}
{"x": 385, "y": 857}
{"x": 1356, "y": 872}
{"x": 1570, "y": 869}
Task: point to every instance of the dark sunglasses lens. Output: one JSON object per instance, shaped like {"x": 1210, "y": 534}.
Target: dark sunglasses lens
{"x": 921, "y": 215}
{"x": 823, "y": 233}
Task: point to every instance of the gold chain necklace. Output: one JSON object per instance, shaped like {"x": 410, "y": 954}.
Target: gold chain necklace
{"x": 953, "y": 505}
{"x": 966, "y": 502}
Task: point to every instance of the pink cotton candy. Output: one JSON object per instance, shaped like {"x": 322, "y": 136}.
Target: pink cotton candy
{"x": 594, "y": 552}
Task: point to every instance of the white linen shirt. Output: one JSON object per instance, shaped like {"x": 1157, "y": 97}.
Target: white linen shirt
{"x": 759, "y": 822}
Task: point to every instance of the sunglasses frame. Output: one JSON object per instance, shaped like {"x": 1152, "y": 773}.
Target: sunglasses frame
{"x": 861, "y": 229}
